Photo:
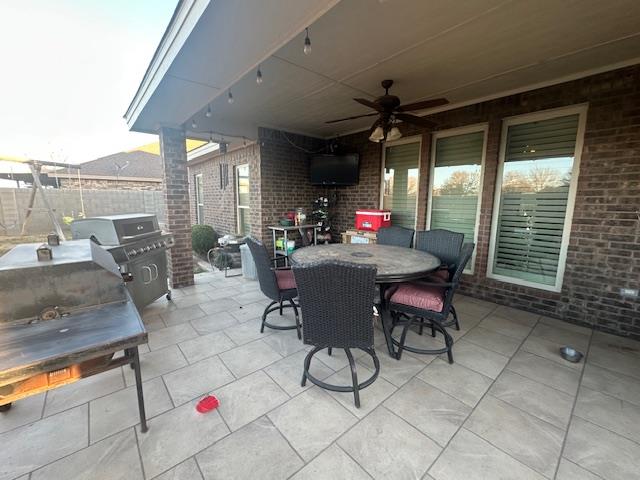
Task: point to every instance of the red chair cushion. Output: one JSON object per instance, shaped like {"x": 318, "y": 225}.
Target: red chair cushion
{"x": 420, "y": 296}
{"x": 286, "y": 280}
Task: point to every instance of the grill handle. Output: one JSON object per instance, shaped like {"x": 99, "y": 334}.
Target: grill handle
{"x": 155, "y": 267}
{"x": 147, "y": 282}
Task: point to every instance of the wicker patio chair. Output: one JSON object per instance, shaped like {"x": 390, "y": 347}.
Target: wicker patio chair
{"x": 396, "y": 236}
{"x": 416, "y": 302}
{"x": 336, "y": 299}
{"x": 276, "y": 283}
{"x": 445, "y": 245}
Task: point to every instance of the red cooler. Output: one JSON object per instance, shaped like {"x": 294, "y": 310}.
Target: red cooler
{"x": 372, "y": 219}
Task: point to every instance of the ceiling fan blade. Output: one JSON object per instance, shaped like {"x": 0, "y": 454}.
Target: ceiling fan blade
{"x": 352, "y": 118}
{"x": 369, "y": 103}
{"x": 435, "y": 102}
{"x": 423, "y": 122}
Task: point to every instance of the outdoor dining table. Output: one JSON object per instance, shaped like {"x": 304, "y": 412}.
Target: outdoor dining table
{"x": 394, "y": 265}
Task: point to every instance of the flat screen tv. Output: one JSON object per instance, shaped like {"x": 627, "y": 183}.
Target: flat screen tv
{"x": 334, "y": 170}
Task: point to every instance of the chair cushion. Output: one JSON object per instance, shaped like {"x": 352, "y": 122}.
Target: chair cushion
{"x": 420, "y": 296}
{"x": 286, "y": 280}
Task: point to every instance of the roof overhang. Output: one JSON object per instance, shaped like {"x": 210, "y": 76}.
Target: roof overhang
{"x": 465, "y": 51}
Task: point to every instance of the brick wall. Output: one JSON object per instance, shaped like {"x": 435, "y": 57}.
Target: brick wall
{"x": 284, "y": 166}
{"x": 176, "y": 193}
{"x": 220, "y": 203}
{"x": 604, "y": 250}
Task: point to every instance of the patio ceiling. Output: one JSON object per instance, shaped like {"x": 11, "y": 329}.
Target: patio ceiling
{"x": 465, "y": 51}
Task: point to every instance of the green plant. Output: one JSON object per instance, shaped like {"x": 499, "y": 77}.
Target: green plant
{"x": 203, "y": 238}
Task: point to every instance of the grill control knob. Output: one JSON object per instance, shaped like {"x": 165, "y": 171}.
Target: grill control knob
{"x": 147, "y": 248}
{"x": 132, "y": 253}
{"x": 140, "y": 250}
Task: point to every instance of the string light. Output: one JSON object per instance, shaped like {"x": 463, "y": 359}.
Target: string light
{"x": 230, "y": 97}
{"x": 208, "y": 114}
{"x": 259, "y": 76}
{"x": 307, "y": 43}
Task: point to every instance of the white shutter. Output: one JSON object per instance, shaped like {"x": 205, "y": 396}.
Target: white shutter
{"x": 456, "y": 210}
{"x": 404, "y": 161}
{"x": 532, "y": 213}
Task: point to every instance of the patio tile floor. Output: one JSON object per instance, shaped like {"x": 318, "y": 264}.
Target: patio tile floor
{"x": 509, "y": 407}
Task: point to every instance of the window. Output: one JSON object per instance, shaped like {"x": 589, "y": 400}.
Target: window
{"x": 199, "y": 198}
{"x": 243, "y": 189}
{"x": 456, "y": 182}
{"x": 535, "y": 193}
{"x": 400, "y": 182}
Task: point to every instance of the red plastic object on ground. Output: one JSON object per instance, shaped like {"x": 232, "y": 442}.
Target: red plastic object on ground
{"x": 208, "y": 403}
{"x": 372, "y": 219}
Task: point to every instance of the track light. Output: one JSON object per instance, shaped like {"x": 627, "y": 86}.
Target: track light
{"x": 259, "y": 76}
{"x": 307, "y": 43}
{"x": 211, "y": 137}
{"x": 230, "y": 97}
{"x": 194, "y": 125}
{"x": 208, "y": 114}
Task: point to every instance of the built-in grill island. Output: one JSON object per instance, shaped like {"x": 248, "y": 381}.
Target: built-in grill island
{"x": 138, "y": 246}
{"x": 64, "y": 313}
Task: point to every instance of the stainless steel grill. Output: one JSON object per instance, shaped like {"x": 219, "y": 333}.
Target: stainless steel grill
{"x": 63, "y": 316}
{"x": 138, "y": 245}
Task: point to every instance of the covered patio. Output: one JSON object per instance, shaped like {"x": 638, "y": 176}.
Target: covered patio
{"x": 546, "y": 92}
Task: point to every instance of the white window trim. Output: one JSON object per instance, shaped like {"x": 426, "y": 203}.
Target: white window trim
{"x": 581, "y": 111}
{"x": 453, "y": 132}
{"x": 199, "y": 201}
{"x": 413, "y": 139}
{"x": 238, "y": 206}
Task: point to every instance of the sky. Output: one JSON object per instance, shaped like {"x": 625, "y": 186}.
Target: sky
{"x": 69, "y": 71}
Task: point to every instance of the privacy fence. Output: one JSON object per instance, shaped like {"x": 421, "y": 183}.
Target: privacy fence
{"x": 69, "y": 203}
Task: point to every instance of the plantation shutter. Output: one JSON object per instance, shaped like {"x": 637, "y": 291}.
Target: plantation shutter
{"x": 456, "y": 210}
{"x": 532, "y": 214}
{"x": 404, "y": 161}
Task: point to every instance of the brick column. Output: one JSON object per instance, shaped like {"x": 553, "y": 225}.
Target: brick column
{"x": 176, "y": 195}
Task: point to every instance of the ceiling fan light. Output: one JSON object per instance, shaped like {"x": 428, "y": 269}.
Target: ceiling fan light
{"x": 377, "y": 135}
{"x": 394, "y": 134}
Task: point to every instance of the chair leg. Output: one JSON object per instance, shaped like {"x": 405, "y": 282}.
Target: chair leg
{"x": 455, "y": 317}
{"x": 264, "y": 315}
{"x": 433, "y": 330}
{"x": 307, "y": 365}
{"x": 329, "y": 351}
{"x": 354, "y": 377}
{"x": 298, "y": 326}
{"x": 447, "y": 340}
{"x": 403, "y": 337}
{"x": 421, "y": 326}
{"x": 281, "y": 307}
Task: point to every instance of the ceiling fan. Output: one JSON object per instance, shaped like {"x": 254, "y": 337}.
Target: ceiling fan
{"x": 389, "y": 111}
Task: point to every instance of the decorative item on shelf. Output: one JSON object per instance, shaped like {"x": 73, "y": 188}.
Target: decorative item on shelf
{"x": 286, "y": 222}
{"x": 320, "y": 217}
{"x": 301, "y": 216}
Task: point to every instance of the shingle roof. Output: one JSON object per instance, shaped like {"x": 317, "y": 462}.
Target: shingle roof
{"x": 140, "y": 164}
